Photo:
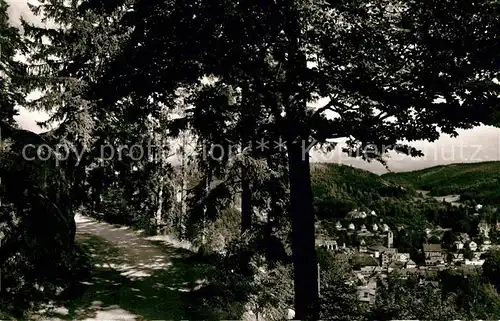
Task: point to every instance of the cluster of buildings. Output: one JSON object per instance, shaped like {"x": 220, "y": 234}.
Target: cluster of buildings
{"x": 363, "y": 230}
{"x": 374, "y": 261}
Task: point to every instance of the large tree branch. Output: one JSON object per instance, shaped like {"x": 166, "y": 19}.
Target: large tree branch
{"x": 329, "y": 106}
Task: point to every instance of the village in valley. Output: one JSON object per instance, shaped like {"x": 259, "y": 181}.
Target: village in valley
{"x": 368, "y": 244}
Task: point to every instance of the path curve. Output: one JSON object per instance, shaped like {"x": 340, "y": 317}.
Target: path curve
{"x": 141, "y": 257}
{"x": 141, "y": 271}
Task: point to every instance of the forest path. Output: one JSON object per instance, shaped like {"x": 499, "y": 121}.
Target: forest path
{"x": 133, "y": 278}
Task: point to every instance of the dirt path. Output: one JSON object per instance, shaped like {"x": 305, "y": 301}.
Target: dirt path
{"x": 133, "y": 278}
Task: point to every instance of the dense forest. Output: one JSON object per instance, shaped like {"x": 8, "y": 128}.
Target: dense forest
{"x": 476, "y": 182}
{"x": 246, "y": 89}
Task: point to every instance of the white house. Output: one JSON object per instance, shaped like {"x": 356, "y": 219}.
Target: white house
{"x": 385, "y": 228}
{"x": 402, "y": 257}
{"x": 362, "y": 246}
{"x": 373, "y": 213}
{"x": 474, "y": 262}
{"x": 338, "y": 226}
{"x": 351, "y": 227}
{"x": 486, "y": 245}
{"x": 458, "y": 245}
{"x": 473, "y": 246}
{"x": 353, "y": 214}
{"x": 375, "y": 227}
{"x": 478, "y": 207}
{"x": 458, "y": 257}
{"x": 484, "y": 229}
{"x": 410, "y": 264}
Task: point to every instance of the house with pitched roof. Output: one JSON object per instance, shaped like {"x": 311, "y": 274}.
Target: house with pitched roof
{"x": 376, "y": 250}
{"x": 365, "y": 263}
{"x": 367, "y": 292}
{"x": 433, "y": 254}
{"x": 411, "y": 264}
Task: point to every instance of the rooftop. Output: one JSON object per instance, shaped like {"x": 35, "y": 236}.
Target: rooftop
{"x": 362, "y": 260}
{"x": 432, "y": 247}
{"x": 377, "y": 247}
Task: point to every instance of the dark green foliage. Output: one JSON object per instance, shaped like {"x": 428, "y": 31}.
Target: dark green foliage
{"x": 457, "y": 295}
{"x": 12, "y": 73}
{"x": 468, "y": 254}
{"x": 408, "y": 300}
{"x": 339, "y": 189}
{"x": 474, "y": 297}
{"x": 239, "y": 281}
{"x": 38, "y": 256}
{"x": 491, "y": 268}
{"x": 38, "y": 226}
{"x": 339, "y": 296}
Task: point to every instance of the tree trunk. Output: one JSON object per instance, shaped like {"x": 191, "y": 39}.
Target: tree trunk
{"x": 247, "y": 123}
{"x": 301, "y": 198}
{"x": 303, "y": 236}
{"x": 183, "y": 211}
{"x": 159, "y": 212}
{"x": 273, "y": 213}
{"x": 246, "y": 203}
{"x": 98, "y": 188}
{"x": 160, "y": 196}
{"x": 208, "y": 183}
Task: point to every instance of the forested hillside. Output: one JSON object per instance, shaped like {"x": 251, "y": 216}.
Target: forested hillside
{"x": 476, "y": 181}
{"x": 340, "y": 189}
{"x": 249, "y": 87}
{"x": 352, "y": 187}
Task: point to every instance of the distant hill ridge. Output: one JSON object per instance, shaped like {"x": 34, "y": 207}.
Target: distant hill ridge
{"x": 472, "y": 181}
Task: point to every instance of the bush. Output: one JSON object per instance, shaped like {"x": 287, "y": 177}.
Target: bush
{"x": 38, "y": 255}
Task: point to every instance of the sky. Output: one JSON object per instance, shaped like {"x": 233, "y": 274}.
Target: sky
{"x": 475, "y": 145}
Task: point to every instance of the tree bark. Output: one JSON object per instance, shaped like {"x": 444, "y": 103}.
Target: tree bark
{"x": 208, "y": 183}
{"x": 272, "y": 215}
{"x": 303, "y": 236}
{"x": 301, "y": 198}
{"x": 246, "y": 203}
{"x": 247, "y": 122}
{"x": 159, "y": 208}
{"x": 183, "y": 210}
{"x": 160, "y": 194}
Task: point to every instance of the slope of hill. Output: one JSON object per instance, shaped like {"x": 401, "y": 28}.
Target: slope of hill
{"x": 472, "y": 181}
{"x": 350, "y": 182}
{"x": 338, "y": 189}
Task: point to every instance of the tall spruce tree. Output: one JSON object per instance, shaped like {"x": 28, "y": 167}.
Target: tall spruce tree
{"x": 33, "y": 193}
{"x": 11, "y": 71}
{"x": 67, "y": 58}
